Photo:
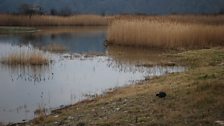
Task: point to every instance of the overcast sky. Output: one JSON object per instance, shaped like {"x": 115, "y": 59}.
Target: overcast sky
{"x": 122, "y": 6}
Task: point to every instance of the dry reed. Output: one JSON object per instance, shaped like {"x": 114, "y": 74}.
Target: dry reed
{"x": 47, "y": 20}
{"x": 25, "y": 58}
{"x": 40, "y": 115}
{"x": 165, "y": 34}
{"x": 196, "y": 19}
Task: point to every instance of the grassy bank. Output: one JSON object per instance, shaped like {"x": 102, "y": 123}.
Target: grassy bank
{"x": 47, "y": 20}
{"x": 194, "y": 97}
{"x": 165, "y": 34}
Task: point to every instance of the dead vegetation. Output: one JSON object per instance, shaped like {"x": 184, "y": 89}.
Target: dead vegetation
{"x": 25, "y": 58}
{"x": 165, "y": 34}
{"x": 195, "y": 19}
{"x": 47, "y": 20}
{"x": 40, "y": 114}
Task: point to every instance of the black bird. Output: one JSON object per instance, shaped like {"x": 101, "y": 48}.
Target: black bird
{"x": 161, "y": 94}
{"x": 106, "y": 43}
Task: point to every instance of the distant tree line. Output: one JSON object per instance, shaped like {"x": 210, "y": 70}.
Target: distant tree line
{"x": 29, "y": 9}
{"x": 36, "y": 9}
{"x": 221, "y": 11}
{"x": 62, "y": 12}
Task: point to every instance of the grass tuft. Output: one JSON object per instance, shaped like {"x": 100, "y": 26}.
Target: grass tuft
{"x": 40, "y": 115}
{"x": 25, "y": 58}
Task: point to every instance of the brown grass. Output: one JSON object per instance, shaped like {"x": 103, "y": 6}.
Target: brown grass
{"x": 40, "y": 114}
{"x": 25, "y": 58}
{"x": 196, "y": 19}
{"x": 46, "y": 20}
{"x": 165, "y": 34}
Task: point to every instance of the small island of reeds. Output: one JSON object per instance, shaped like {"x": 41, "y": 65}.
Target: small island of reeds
{"x": 25, "y": 58}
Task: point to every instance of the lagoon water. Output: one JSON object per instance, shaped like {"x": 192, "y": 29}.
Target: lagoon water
{"x": 86, "y": 68}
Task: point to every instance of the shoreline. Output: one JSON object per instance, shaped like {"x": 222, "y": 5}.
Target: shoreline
{"x": 124, "y": 100}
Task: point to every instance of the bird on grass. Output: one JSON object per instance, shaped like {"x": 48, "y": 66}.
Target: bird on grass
{"x": 161, "y": 94}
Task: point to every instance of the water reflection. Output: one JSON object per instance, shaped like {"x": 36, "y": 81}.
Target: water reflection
{"x": 149, "y": 71}
{"x": 32, "y": 74}
{"x": 78, "y": 40}
{"x": 139, "y": 56}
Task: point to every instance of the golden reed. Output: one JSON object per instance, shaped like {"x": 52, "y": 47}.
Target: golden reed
{"x": 165, "y": 34}
{"x": 25, "y": 58}
{"x": 47, "y": 20}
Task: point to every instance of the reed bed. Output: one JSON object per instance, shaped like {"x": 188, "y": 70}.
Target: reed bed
{"x": 165, "y": 34}
{"x": 47, "y": 20}
{"x": 25, "y": 58}
{"x": 196, "y": 19}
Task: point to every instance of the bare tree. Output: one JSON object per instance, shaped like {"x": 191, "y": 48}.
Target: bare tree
{"x": 54, "y": 12}
{"x": 221, "y": 11}
{"x": 66, "y": 11}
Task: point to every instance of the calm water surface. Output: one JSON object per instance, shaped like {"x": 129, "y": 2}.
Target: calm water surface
{"x": 72, "y": 74}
